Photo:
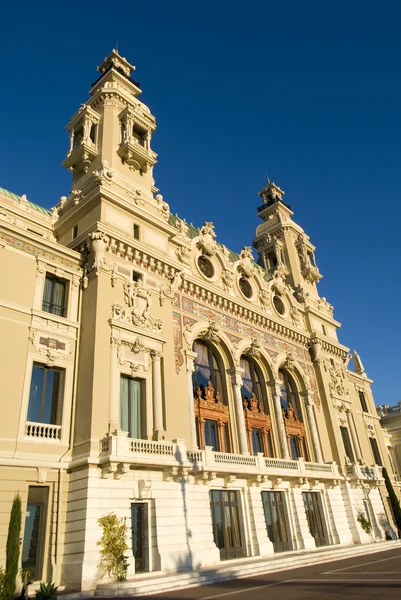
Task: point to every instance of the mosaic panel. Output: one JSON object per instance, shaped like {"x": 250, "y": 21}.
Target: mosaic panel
{"x": 177, "y": 333}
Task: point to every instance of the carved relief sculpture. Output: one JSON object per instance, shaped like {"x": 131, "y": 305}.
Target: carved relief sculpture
{"x": 207, "y": 243}
{"x": 139, "y": 300}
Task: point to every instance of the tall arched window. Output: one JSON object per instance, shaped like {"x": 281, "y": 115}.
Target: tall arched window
{"x": 293, "y": 418}
{"x": 208, "y": 367}
{"x": 211, "y": 409}
{"x": 252, "y": 382}
{"x": 256, "y": 411}
{"x": 289, "y": 393}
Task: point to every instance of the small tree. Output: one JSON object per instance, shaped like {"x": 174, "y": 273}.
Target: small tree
{"x": 12, "y": 549}
{"x": 395, "y": 503}
{"x": 113, "y": 544}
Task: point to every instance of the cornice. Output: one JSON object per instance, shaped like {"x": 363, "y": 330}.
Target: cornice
{"x": 41, "y": 248}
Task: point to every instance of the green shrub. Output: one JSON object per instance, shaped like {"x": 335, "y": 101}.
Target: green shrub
{"x": 2, "y": 579}
{"x": 113, "y": 545}
{"x": 395, "y": 503}
{"x": 12, "y": 549}
{"x": 364, "y": 522}
{"x": 47, "y": 591}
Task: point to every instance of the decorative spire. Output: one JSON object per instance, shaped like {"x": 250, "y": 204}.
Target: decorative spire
{"x": 117, "y": 61}
{"x": 271, "y": 192}
{"x": 358, "y": 365}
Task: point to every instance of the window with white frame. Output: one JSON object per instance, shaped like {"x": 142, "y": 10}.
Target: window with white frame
{"x": 132, "y": 406}
{"x": 55, "y": 296}
{"x": 46, "y": 395}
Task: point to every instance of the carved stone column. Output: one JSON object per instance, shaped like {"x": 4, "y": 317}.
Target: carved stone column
{"x": 275, "y": 387}
{"x": 190, "y": 359}
{"x": 158, "y": 428}
{"x": 74, "y": 298}
{"x": 354, "y": 436}
{"x": 114, "y": 392}
{"x": 236, "y": 381}
{"x": 308, "y": 401}
{"x": 39, "y": 285}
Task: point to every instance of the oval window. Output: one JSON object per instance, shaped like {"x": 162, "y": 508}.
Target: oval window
{"x": 205, "y": 267}
{"x": 278, "y": 305}
{"x": 245, "y": 287}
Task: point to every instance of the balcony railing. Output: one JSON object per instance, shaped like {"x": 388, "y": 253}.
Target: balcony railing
{"x": 43, "y": 431}
{"x": 121, "y": 449}
{"x": 357, "y": 471}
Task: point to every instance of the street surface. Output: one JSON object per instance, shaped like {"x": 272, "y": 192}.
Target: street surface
{"x": 374, "y": 576}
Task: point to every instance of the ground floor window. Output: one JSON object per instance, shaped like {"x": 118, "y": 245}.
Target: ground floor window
{"x": 139, "y": 535}
{"x": 315, "y": 517}
{"x": 226, "y": 523}
{"x": 34, "y": 540}
{"x": 274, "y": 509}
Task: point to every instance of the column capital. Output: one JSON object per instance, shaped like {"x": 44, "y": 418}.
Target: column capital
{"x": 308, "y": 396}
{"x": 275, "y": 386}
{"x": 155, "y": 355}
{"x": 236, "y": 374}
{"x": 190, "y": 357}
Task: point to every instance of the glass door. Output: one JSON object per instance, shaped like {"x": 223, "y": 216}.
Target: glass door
{"x": 138, "y": 535}
{"x": 314, "y": 515}
{"x": 34, "y": 531}
{"x": 226, "y": 527}
{"x": 275, "y": 520}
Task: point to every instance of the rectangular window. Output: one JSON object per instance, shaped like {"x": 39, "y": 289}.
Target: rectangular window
{"x": 45, "y": 396}
{"x": 75, "y": 232}
{"x": 362, "y": 400}
{"x": 139, "y": 535}
{"x": 376, "y": 452}
{"x": 136, "y": 276}
{"x": 34, "y": 541}
{"x": 275, "y": 520}
{"x": 224, "y": 506}
{"x": 211, "y": 434}
{"x": 132, "y": 413}
{"x": 54, "y": 296}
{"x": 257, "y": 443}
{"x": 136, "y": 231}
{"x": 294, "y": 447}
{"x": 347, "y": 443}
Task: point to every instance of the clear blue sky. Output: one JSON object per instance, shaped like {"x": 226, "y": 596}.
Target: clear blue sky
{"x": 308, "y": 92}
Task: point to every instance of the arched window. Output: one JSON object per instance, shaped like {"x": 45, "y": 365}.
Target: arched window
{"x": 256, "y": 413}
{"x": 252, "y": 381}
{"x": 211, "y": 407}
{"x": 208, "y": 367}
{"x": 289, "y": 393}
{"x": 293, "y": 418}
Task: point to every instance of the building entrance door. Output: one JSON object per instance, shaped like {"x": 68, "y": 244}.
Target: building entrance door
{"x": 314, "y": 515}
{"x": 275, "y": 520}
{"x": 138, "y": 535}
{"x": 226, "y": 527}
{"x": 34, "y": 531}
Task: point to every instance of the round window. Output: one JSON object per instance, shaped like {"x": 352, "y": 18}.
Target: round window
{"x": 205, "y": 267}
{"x": 278, "y": 305}
{"x": 245, "y": 287}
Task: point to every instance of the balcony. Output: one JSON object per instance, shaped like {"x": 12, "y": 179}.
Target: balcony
{"x": 135, "y": 155}
{"x": 81, "y": 156}
{"x": 118, "y": 453}
{"x": 363, "y": 472}
{"x": 43, "y": 432}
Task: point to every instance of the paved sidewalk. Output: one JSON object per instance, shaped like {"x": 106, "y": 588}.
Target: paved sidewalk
{"x": 375, "y": 576}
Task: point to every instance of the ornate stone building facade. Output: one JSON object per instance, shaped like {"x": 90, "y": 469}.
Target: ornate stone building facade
{"x": 149, "y": 370}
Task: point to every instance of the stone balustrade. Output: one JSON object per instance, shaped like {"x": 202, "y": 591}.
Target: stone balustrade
{"x": 364, "y": 472}
{"x": 43, "y": 431}
{"x": 119, "y": 448}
